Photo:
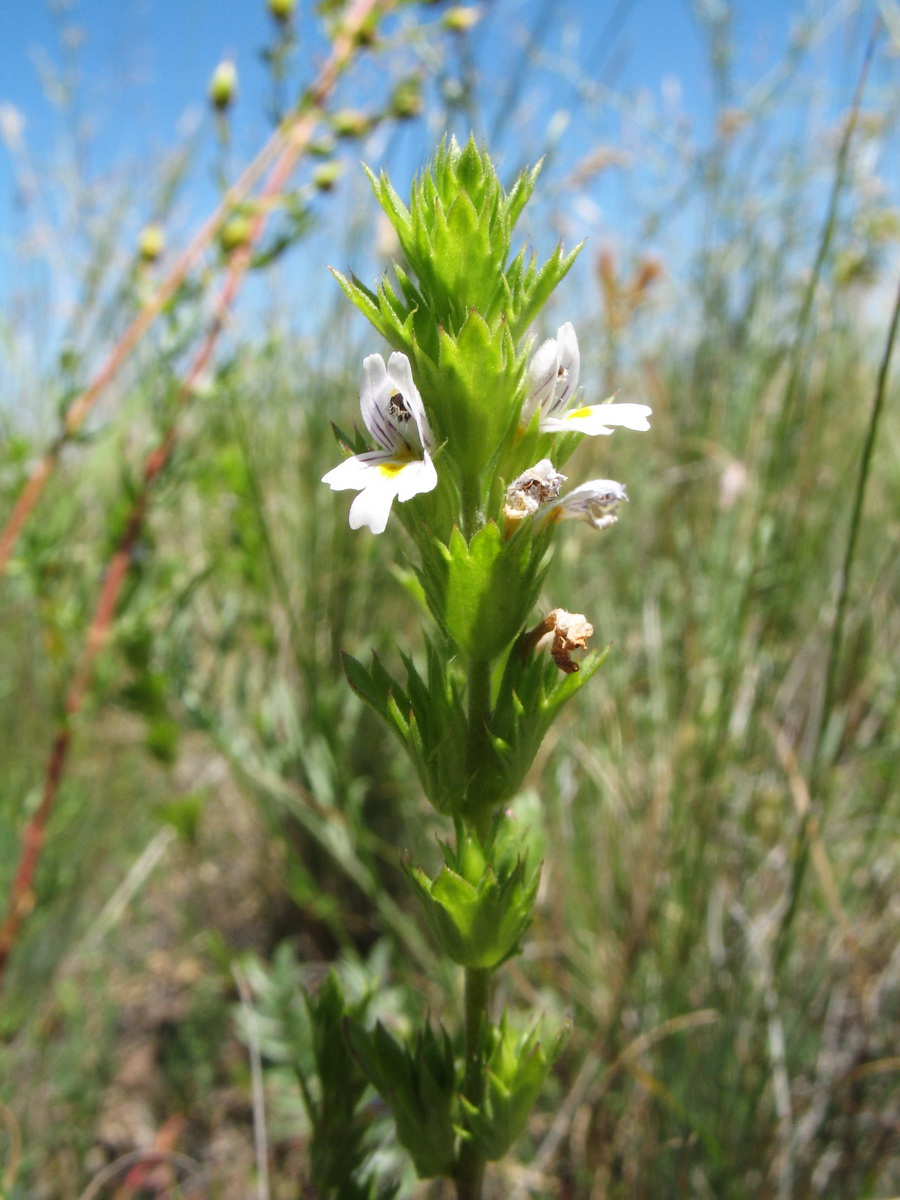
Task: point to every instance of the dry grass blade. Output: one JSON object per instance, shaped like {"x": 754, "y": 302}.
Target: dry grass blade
{"x": 8, "y": 1117}
{"x": 801, "y": 797}
{"x": 260, "y": 1139}
{"x": 584, "y": 1081}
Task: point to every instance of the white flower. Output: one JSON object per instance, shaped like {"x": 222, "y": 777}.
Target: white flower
{"x": 534, "y": 487}
{"x": 394, "y": 415}
{"x": 595, "y": 502}
{"x": 553, "y": 384}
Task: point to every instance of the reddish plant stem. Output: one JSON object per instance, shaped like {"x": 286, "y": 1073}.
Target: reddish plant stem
{"x": 297, "y": 138}
{"x": 140, "y": 1175}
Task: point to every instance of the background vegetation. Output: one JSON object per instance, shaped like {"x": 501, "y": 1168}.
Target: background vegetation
{"x": 719, "y": 910}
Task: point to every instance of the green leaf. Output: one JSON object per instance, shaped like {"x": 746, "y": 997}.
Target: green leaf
{"x": 489, "y": 587}
{"x": 419, "y": 1085}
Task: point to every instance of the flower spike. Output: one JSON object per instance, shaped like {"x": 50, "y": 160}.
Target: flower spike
{"x": 553, "y": 384}
{"x": 394, "y": 415}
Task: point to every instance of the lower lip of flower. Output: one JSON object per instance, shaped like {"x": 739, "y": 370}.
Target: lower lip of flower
{"x": 390, "y": 470}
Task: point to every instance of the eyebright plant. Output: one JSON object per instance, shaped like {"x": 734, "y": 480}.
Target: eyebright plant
{"x": 467, "y": 427}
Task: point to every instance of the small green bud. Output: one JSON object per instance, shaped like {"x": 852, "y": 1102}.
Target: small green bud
{"x": 406, "y": 101}
{"x": 322, "y": 147}
{"x": 350, "y": 122}
{"x": 282, "y": 10}
{"x": 234, "y": 233}
{"x": 327, "y": 174}
{"x": 367, "y": 33}
{"x": 461, "y": 18}
{"x": 151, "y": 242}
{"x": 223, "y": 85}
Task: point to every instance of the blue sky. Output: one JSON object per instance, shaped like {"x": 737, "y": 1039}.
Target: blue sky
{"x": 144, "y": 64}
{"x": 630, "y": 75}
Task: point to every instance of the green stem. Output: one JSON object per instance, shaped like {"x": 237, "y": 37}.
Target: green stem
{"x": 470, "y": 496}
{"x": 478, "y": 745}
{"x": 470, "y": 1171}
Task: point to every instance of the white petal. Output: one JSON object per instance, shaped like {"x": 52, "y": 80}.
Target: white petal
{"x": 416, "y": 477}
{"x": 375, "y": 391}
{"x": 400, "y": 372}
{"x": 603, "y": 492}
{"x": 595, "y": 502}
{"x": 627, "y": 416}
{"x": 379, "y": 477}
{"x": 392, "y": 407}
{"x": 599, "y": 418}
{"x": 372, "y": 507}
{"x": 542, "y": 372}
{"x": 356, "y": 472}
{"x": 569, "y": 364}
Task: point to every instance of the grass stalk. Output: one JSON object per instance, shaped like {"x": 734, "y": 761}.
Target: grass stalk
{"x": 776, "y": 459}
{"x": 810, "y": 824}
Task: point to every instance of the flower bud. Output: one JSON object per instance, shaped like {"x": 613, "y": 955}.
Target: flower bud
{"x": 326, "y": 175}
{"x": 517, "y": 1064}
{"x": 223, "y": 85}
{"x": 478, "y": 920}
{"x": 282, "y": 10}
{"x": 350, "y": 122}
{"x": 151, "y": 242}
{"x": 234, "y": 233}
{"x": 461, "y": 18}
{"x": 406, "y": 101}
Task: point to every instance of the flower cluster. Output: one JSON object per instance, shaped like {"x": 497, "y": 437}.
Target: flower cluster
{"x": 401, "y": 466}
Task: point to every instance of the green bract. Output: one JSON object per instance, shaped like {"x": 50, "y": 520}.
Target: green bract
{"x": 517, "y": 1065}
{"x": 476, "y": 909}
{"x": 419, "y": 1083}
{"x": 481, "y": 592}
